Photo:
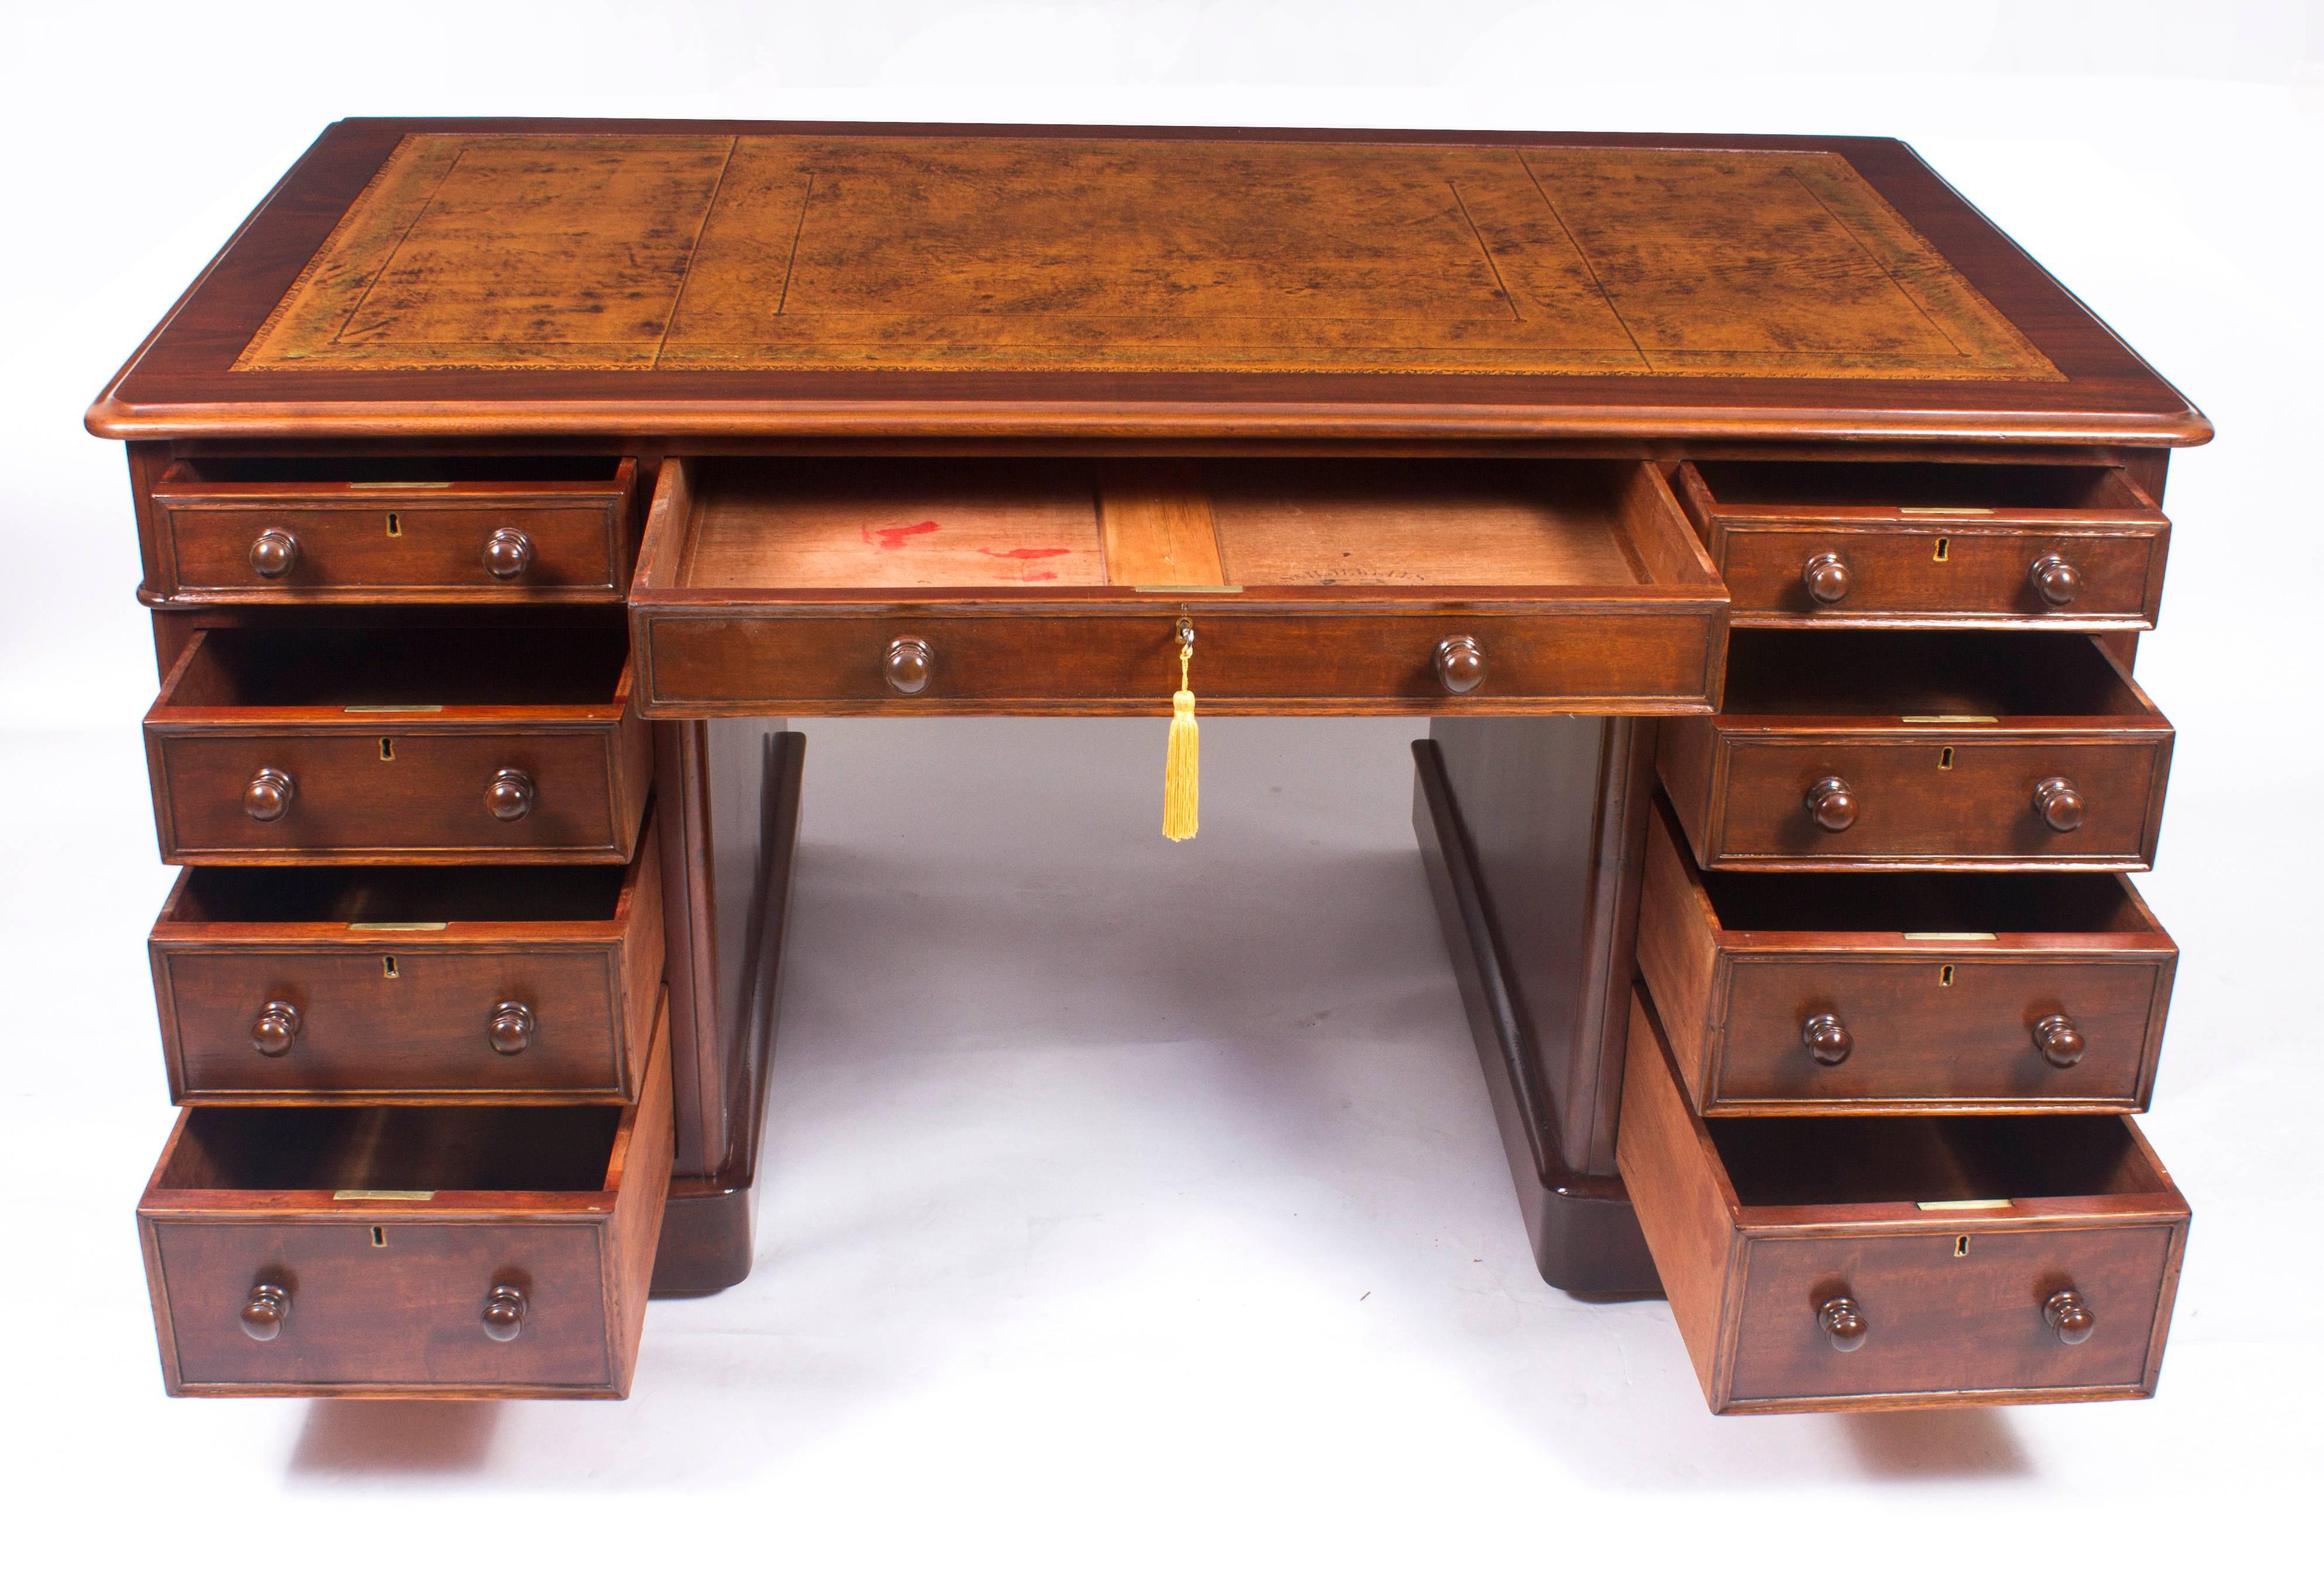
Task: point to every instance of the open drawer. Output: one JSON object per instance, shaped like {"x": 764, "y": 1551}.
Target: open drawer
{"x": 1839, "y": 542}
{"x": 480, "y": 984}
{"x": 1855, "y": 1263}
{"x": 1030, "y": 586}
{"x": 395, "y": 529}
{"x": 1929, "y": 749}
{"x": 399, "y": 1252}
{"x": 410, "y": 744}
{"x": 1889, "y": 992}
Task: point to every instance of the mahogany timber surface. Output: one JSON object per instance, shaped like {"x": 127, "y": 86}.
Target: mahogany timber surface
{"x": 390, "y": 737}
{"x": 1938, "y": 980}
{"x": 1942, "y": 735}
{"x": 387, "y": 1227}
{"x": 741, "y": 789}
{"x": 1583, "y": 1234}
{"x": 377, "y": 530}
{"x": 1949, "y": 1233}
{"x": 699, "y": 278}
{"x": 1929, "y": 545}
{"x": 778, "y": 586}
{"x": 395, "y": 974}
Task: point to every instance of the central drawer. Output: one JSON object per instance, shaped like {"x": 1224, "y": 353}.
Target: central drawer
{"x": 949, "y": 585}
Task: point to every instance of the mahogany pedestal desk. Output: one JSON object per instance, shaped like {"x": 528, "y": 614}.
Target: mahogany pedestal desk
{"x": 1766, "y": 536}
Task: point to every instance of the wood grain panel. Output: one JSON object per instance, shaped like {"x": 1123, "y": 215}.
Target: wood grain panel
{"x": 1948, "y": 1235}
{"x": 395, "y": 981}
{"x": 387, "y": 1227}
{"x": 1939, "y": 979}
{"x": 1159, "y": 529}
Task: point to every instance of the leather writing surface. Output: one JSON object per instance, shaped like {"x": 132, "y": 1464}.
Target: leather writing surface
{"x": 708, "y": 251}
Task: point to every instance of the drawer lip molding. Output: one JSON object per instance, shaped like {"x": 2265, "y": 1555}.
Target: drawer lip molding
{"x": 1936, "y": 1022}
{"x": 766, "y": 589}
{"x": 1747, "y": 1280}
{"x": 1943, "y": 738}
{"x": 400, "y": 539}
{"x": 1923, "y": 564}
{"x": 206, "y": 1242}
{"x": 387, "y": 775}
{"x": 399, "y": 1010}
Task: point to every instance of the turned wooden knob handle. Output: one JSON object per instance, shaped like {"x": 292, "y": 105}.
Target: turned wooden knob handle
{"x": 268, "y": 794}
{"x": 910, "y": 664}
{"x": 508, "y": 554}
{"x": 510, "y": 794}
{"x": 2059, "y": 1040}
{"x": 2060, "y": 804}
{"x": 265, "y": 1310}
{"x": 1459, "y": 663}
{"x": 1832, "y": 803}
{"x": 511, "y": 1027}
{"x": 2056, "y": 581}
{"x": 274, "y": 554}
{"x": 503, "y": 1314}
{"x": 1827, "y": 1038}
{"x": 1826, "y": 577}
{"x": 1843, "y": 1323}
{"x": 2068, "y": 1315}
{"x": 278, "y": 1024}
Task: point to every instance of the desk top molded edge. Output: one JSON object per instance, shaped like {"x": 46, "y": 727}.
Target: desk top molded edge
{"x": 182, "y": 382}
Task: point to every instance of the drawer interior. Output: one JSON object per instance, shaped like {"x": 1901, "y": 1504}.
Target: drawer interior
{"x": 1789, "y": 1161}
{"x": 358, "y": 667}
{"x": 1898, "y": 488}
{"x": 442, "y": 1148}
{"x": 1931, "y": 674}
{"x": 343, "y": 895}
{"x": 1925, "y": 902}
{"x": 419, "y": 473}
{"x": 1036, "y": 526}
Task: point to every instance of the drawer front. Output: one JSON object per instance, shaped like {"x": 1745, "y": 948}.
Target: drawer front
{"x": 399, "y": 549}
{"x": 381, "y": 1306}
{"x": 393, "y": 793}
{"x": 1870, "y": 574}
{"x": 393, "y": 1020}
{"x": 1925, "y": 1028}
{"x": 1900, "y": 1262}
{"x": 222, "y": 530}
{"x": 1290, "y": 662}
{"x": 409, "y": 1251}
{"x": 1941, "y": 1320}
{"x": 1926, "y": 800}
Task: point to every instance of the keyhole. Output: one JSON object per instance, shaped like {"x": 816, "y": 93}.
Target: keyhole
{"x": 1960, "y": 1247}
{"x": 395, "y": 524}
{"x": 379, "y": 1236}
{"x": 1944, "y": 548}
{"x": 1944, "y": 976}
{"x": 1944, "y": 759}
{"x": 387, "y": 749}
{"x": 387, "y": 968}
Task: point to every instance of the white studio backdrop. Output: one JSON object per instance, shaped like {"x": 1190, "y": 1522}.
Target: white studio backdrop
{"x": 1066, "y": 1226}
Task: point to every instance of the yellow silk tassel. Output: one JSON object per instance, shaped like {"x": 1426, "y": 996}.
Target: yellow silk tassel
{"x": 1180, "y": 790}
